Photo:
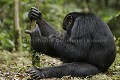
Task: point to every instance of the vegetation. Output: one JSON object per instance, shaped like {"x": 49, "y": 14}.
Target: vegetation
{"x": 14, "y": 63}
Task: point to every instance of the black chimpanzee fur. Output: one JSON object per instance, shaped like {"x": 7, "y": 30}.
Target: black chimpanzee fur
{"x": 87, "y": 47}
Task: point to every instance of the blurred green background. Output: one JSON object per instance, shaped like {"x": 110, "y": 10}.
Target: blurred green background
{"x": 53, "y": 11}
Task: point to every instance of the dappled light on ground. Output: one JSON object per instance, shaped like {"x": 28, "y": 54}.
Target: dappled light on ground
{"x": 14, "y": 65}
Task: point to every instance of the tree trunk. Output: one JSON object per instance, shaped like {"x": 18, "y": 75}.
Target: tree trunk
{"x": 17, "y": 30}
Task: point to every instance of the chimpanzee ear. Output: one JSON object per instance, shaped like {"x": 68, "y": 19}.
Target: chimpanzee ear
{"x": 28, "y": 31}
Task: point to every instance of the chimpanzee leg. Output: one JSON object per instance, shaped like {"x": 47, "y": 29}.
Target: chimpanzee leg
{"x": 68, "y": 69}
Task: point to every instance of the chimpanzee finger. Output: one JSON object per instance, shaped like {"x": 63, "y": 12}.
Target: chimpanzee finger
{"x": 31, "y": 16}
{"x": 37, "y": 12}
{"x": 32, "y": 72}
{"x": 31, "y": 69}
{"x": 34, "y": 8}
{"x": 34, "y": 76}
{"x": 30, "y": 79}
{"x": 28, "y": 32}
{"x": 38, "y": 78}
{"x": 28, "y": 71}
{"x": 34, "y": 14}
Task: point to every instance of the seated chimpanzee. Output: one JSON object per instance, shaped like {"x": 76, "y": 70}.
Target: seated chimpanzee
{"x": 86, "y": 48}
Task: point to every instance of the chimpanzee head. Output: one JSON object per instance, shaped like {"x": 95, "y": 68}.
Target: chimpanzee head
{"x": 69, "y": 20}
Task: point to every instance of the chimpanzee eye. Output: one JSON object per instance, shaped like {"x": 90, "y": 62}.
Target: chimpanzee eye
{"x": 69, "y": 19}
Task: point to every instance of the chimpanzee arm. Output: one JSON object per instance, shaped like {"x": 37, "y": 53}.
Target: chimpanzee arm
{"x": 76, "y": 47}
{"x": 39, "y": 43}
{"x": 72, "y": 49}
{"x": 46, "y": 28}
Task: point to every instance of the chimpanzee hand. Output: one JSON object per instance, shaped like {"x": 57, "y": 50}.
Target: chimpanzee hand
{"x": 34, "y": 14}
{"x": 36, "y": 73}
{"x": 34, "y": 33}
{"x": 38, "y": 42}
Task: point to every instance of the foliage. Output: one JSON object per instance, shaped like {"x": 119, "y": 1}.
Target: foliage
{"x": 5, "y": 42}
{"x": 118, "y": 45}
{"x": 52, "y": 10}
{"x": 13, "y": 67}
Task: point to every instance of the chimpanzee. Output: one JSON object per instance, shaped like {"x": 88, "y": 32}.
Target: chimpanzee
{"x": 86, "y": 48}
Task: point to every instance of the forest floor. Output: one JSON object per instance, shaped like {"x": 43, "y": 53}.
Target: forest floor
{"x": 14, "y": 65}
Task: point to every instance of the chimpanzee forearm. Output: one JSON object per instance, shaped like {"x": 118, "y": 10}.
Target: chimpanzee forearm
{"x": 46, "y": 28}
{"x": 69, "y": 51}
{"x": 42, "y": 46}
{"x": 39, "y": 43}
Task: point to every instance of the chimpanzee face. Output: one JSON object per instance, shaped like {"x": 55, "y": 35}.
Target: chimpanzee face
{"x": 69, "y": 20}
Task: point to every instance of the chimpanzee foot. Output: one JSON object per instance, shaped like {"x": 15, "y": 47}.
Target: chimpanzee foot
{"x": 35, "y": 73}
